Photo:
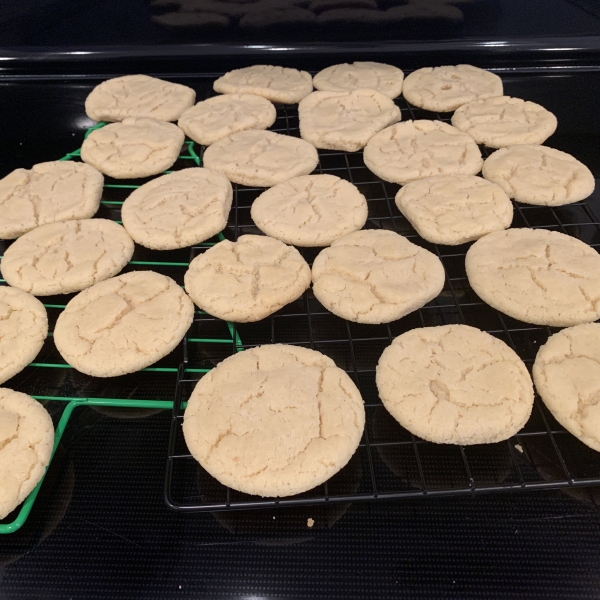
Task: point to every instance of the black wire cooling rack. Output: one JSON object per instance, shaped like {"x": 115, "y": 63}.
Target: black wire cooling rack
{"x": 390, "y": 462}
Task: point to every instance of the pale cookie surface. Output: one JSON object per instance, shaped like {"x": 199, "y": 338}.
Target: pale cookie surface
{"x": 179, "y": 209}
{"x": 454, "y": 209}
{"x": 138, "y": 96}
{"x": 48, "y": 193}
{"x": 133, "y": 148}
{"x": 446, "y": 88}
{"x": 274, "y": 421}
{"x": 566, "y": 373}
{"x": 455, "y": 384}
{"x": 416, "y": 149}
{"x": 277, "y": 84}
{"x": 536, "y": 276}
{"x": 311, "y": 210}
{"x": 375, "y": 276}
{"x": 539, "y": 175}
{"x": 216, "y": 118}
{"x": 261, "y": 158}
{"x": 26, "y": 441}
{"x": 247, "y": 280}
{"x": 383, "y": 78}
{"x": 124, "y": 324}
{"x": 23, "y": 330}
{"x": 60, "y": 258}
{"x": 504, "y": 121}
{"x": 345, "y": 120}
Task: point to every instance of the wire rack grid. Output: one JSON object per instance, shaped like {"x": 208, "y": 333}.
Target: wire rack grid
{"x": 391, "y": 462}
{"x": 50, "y": 379}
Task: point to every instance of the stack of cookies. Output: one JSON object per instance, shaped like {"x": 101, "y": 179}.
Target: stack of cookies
{"x": 279, "y": 420}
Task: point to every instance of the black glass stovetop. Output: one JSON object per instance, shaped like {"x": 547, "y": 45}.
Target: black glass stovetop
{"x": 100, "y": 527}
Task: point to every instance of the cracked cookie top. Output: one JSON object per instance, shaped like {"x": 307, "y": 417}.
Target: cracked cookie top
{"x": 49, "y": 192}
{"x": 179, "y": 209}
{"x": 454, "y": 209}
{"x": 383, "y": 78}
{"x": 443, "y": 89}
{"x": 539, "y": 175}
{"x": 247, "y": 280}
{"x": 133, "y": 148}
{"x": 536, "y": 276}
{"x": 216, "y": 118}
{"x": 60, "y": 258}
{"x": 274, "y": 421}
{"x": 261, "y": 158}
{"x": 311, "y": 210}
{"x": 277, "y": 84}
{"x": 416, "y": 149}
{"x": 375, "y": 276}
{"x": 123, "y": 324}
{"x": 138, "y": 96}
{"x": 345, "y": 120}
{"x": 23, "y": 330}
{"x": 504, "y": 121}
{"x": 566, "y": 373}
{"x": 455, "y": 384}
{"x": 26, "y": 441}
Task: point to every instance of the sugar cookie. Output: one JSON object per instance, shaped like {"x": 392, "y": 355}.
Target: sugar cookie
{"x": 60, "y": 258}
{"x": 536, "y": 276}
{"x": 48, "y": 193}
{"x": 455, "y": 384}
{"x": 247, "y": 280}
{"x": 179, "y": 209}
{"x": 375, "y": 276}
{"x": 310, "y": 210}
{"x": 274, "y": 421}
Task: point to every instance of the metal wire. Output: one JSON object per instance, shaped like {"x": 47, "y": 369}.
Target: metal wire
{"x": 390, "y": 462}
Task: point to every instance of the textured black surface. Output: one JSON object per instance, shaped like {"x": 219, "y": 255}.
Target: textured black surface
{"x": 100, "y": 528}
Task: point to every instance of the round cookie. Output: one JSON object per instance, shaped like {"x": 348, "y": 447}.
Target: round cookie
{"x": 23, "y": 330}
{"x": 567, "y": 377}
{"x": 274, "y": 421}
{"x": 539, "y": 175}
{"x": 375, "y": 276}
{"x": 454, "y": 209}
{"x": 455, "y": 384}
{"x": 133, "y": 148}
{"x": 277, "y": 84}
{"x": 138, "y": 96}
{"x": 48, "y": 193}
{"x": 247, "y": 280}
{"x": 504, "y": 121}
{"x": 416, "y": 149}
{"x": 443, "y": 89}
{"x": 345, "y": 120}
{"x": 60, "y": 258}
{"x": 536, "y": 276}
{"x": 179, "y": 209}
{"x": 123, "y": 324}
{"x": 216, "y": 118}
{"x": 261, "y": 158}
{"x": 26, "y": 442}
{"x": 383, "y": 78}
{"x": 311, "y": 210}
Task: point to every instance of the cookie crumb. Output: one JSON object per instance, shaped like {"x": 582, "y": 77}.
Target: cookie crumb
{"x": 519, "y": 448}
{"x": 310, "y": 522}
